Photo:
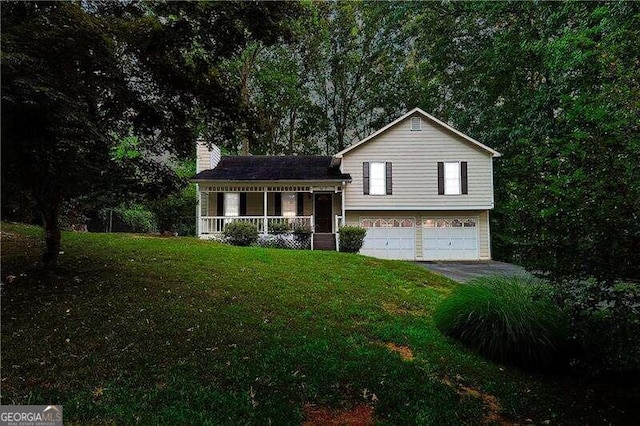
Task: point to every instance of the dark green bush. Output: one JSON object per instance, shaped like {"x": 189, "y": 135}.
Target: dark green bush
{"x": 604, "y": 327}
{"x": 302, "y": 233}
{"x": 277, "y": 228}
{"x": 129, "y": 217}
{"x": 351, "y": 238}
{"x": 240, "y": 233}
{"x": 302, "y": 229}
{"x": 507, "y": 319}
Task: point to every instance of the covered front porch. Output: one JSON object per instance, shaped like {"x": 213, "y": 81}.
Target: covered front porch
{"x": 316, "y": 207}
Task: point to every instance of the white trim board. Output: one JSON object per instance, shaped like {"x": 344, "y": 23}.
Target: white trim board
{"x": 442, "y": 124}
{"x": 415, "y": 208}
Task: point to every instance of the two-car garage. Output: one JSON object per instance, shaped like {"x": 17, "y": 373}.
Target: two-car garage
{"x": 422, "y": 237}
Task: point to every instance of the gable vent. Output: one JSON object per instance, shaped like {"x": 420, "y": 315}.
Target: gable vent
{"x": 416, "y": 123}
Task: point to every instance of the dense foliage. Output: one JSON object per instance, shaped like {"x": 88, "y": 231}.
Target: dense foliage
{"x": 132, "y": 217}
{"x": 507, "y": 319}
{"x": 240, "y": 233}
{"x": 95, "y": 95}
{"x": 351, "y": 238}
{"x": 604, "y": 328}
{"x": 175, "y": 212}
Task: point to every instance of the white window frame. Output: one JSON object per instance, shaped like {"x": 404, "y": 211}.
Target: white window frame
{"x": 452, "y": 184}
{"x": 416, "y": 124}
{"x": 231, "y": 206}
{"x": 380, "y": 187}
{"x": 293, "y": 204}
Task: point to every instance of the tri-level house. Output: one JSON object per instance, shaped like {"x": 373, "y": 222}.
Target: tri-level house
{"x": 422, "y": 190}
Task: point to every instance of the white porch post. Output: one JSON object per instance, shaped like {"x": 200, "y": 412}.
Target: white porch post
{"x": 265, "y": 228}
{"x": 198, "y": 204}
{"x": 344, "y": 218}
{"x": 342, "y": 199}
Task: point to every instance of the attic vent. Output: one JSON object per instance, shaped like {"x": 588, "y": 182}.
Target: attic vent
{"x": 416, "y": 123}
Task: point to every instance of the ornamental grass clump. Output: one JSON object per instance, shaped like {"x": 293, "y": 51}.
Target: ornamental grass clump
{"x": 507, "y": 319}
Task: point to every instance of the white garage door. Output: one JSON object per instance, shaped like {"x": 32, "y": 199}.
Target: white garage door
{"x": 389, "y": 238}
{"x": 450, "y": 238}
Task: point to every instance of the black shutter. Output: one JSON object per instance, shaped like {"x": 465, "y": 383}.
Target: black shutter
{"x": 463, "y": 177}
{"x": 365, "y": 178}
{"x": 243, "y": 204}
{"x": 300, "y": 200}
{"x": 440, "y": 178}
{"x": 389, "y": 179}
{"x": 220, "y": 203}
{"x": 277, "y": 203}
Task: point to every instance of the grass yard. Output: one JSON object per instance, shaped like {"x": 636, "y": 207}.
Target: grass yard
{"x": 132, "y": 328}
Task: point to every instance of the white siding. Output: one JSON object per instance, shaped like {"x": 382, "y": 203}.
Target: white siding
{"x": 353, "y": 218}
{"x": 415, "y": 155}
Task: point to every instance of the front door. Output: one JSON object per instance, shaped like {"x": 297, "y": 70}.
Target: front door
{"x": 323, "y": 210}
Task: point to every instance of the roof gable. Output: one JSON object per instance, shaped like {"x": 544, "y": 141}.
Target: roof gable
{"x": 429, "y": 117}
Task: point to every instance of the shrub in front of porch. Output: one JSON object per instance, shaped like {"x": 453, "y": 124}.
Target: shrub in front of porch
{"x": 278, "y": 228}
{"x": 240, "y": 233}
{"x": 302, "y": 233}
{"x": 351, "y": 238}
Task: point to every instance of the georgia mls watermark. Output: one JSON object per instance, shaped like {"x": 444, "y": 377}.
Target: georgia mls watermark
{"x": 30, "y": 415}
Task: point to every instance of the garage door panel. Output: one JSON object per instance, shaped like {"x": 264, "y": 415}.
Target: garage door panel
{"x": 430, "y": 244}
{"x": 456, "y": 233}
{"x": 470, "y": 244}
{"x": 443, "y": 244}
{"x": 450, "y": 238}
{"x": 389, "y": 238}
{"x": 457, "y": 244}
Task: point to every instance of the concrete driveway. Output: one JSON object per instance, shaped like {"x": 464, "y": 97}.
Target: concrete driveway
{"x": 466, "y": 271}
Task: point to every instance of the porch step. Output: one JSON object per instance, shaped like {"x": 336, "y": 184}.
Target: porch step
{"x": 324, "y": 241}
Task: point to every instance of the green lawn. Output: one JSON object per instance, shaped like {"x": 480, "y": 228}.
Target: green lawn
{"x": 175, "y": 330}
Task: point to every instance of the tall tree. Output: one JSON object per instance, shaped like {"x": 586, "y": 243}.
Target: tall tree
{"x": 357, "y": 53}
{"x": 554, "y": 87}
{"x": 78, "y": 77}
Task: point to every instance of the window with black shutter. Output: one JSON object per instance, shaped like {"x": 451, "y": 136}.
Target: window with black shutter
{"x": 243, "y": 204}
{"x": 220, "y": 204}
{"x": 300, "y": 201}
{"x": 277, "y": 204}
{"x": 365, "y": 178}
{"x": 389, "y": 180}
{"x": 440, "y": 178}
{"x": 464, "y": 181}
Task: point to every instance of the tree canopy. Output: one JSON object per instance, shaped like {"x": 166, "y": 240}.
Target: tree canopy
{"x": 81, "y": 79}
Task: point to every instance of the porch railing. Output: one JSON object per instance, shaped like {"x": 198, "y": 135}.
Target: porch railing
{"x": 216, "y": 224}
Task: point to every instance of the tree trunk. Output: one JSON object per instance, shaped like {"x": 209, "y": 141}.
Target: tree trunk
{"x": 50, "y": 208}
{"x": 292, "y": 132}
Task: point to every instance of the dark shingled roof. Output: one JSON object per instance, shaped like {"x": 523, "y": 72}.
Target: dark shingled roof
{"x": 292, "y": 167}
